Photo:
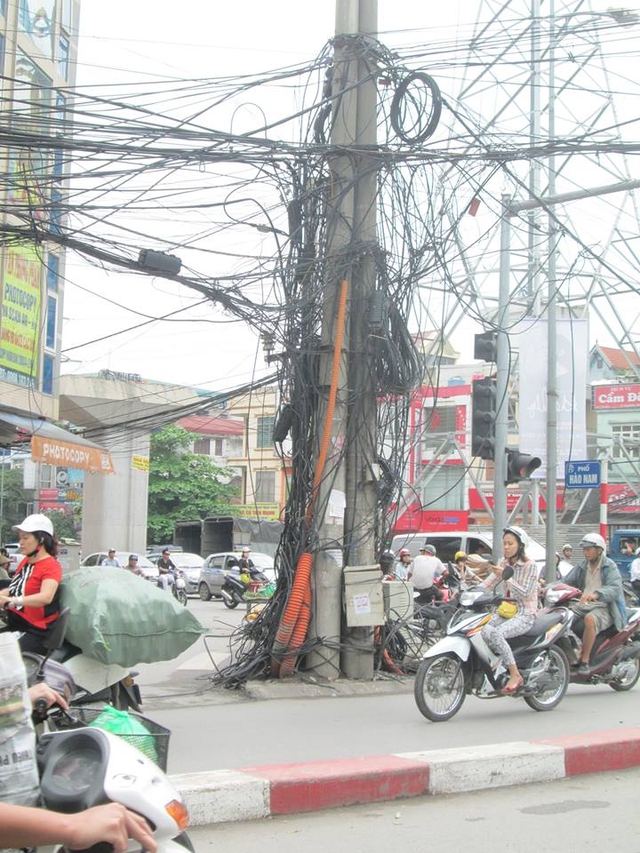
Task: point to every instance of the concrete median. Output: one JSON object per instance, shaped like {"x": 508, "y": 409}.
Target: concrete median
{"x": 253, "y": 792}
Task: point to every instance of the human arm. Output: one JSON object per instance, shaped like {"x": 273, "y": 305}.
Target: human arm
{"x": 45, "y": 596}
{"x": 21, "y": 826}
{"x": 50, "y": 696}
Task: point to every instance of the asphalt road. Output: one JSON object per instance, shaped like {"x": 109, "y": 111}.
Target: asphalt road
{"x": 217, "y": 729}
{"x": 586, "y": 814}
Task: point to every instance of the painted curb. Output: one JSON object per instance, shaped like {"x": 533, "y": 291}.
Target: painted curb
{"x": 220, "y": 796}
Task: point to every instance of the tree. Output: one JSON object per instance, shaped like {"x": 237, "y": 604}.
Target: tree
{"x": 183, "y": 486}
{"x": 15, "y": 502}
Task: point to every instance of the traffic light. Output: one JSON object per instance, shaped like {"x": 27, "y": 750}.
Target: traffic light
{"x": 484, "y": 346}
{"x": 520, "y": 466}
{"x": 483, "y": 422}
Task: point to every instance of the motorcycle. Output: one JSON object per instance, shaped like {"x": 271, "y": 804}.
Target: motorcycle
{"x": 83, "y": 766}
{"x": 96, "y": 681}
{"x": 462, "y": 662}
{"x": 615, "y": 657}
{"x": 233, "y": 589}
{"x": 178, "y": 587}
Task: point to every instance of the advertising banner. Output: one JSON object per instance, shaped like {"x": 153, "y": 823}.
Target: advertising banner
{"x": 21, "y": 299}
{"x": 571, "y": 374}
{"x": 616, "y": 396}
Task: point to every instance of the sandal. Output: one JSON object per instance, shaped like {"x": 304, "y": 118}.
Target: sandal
{"x": 510, "y": 690}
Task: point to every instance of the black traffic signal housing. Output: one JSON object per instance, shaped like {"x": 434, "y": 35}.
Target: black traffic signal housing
{"x": 485, "y": 346}
{"x": 483, "y": 419}
{"x": 520, "y": 466}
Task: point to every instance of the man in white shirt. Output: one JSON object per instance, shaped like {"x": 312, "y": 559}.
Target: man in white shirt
{"x": 110, "y": 559}
{"x": 634, "y": 572}
{"x": 425, "y": 568}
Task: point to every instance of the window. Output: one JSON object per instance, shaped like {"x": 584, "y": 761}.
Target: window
{"x": 218, "y": 447}
{"x": 63, "y": 56}
{"x": 264, "y": 437}
{"x": 50, "y": 337}
{"x": 47, "y": 476}
{"x": 265, "y": 487}
{"x": 53, "y": 265}
{"x": 438, "y": 420}
{"x": 202, "y": 445}
{"x": 626, "y": 436}
{"x": 47, "y": 374}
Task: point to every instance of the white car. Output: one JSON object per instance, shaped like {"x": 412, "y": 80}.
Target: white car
{"x": 189, "y": 564}
{"x": 149, "y": 571}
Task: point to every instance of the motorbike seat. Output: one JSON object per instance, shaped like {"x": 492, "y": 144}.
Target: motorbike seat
{"x": 542, "y": 623}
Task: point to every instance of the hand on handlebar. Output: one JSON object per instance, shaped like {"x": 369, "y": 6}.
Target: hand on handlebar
{"x": 42, "y": 697}
{"x": 112, "y": 824}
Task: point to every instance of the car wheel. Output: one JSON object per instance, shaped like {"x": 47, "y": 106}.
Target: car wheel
{"x": 203, "y": 592}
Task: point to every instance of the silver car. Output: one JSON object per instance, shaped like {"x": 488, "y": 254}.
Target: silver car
{"x": 216, "y": 566}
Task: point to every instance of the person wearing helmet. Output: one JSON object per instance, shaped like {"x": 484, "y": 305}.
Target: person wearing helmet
{"x": 567, "y": 552}
{"x": 403, "y": 564}
{"x": 601, "y": 603}
{"x": 424, "y": 571}
{"x": 522, "y": 587}
{"x": 634, "y": 572}
{"x": 132, "y": 565}
{"x": 32, "y": 598}
{"x": 111, "y": 559}
{"x": 245, "y": 562}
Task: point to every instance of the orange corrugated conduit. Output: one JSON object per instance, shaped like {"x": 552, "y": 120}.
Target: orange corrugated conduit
{"x": 297, "y": 613}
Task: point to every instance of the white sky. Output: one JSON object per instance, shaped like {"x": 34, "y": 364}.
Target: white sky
{"x": 135, "y": 40}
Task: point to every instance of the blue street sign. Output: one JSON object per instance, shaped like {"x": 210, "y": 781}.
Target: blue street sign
{"x": 582, "y": 475}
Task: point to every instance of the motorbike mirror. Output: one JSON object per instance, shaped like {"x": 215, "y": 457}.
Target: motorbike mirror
{"x": 507, "y": 573}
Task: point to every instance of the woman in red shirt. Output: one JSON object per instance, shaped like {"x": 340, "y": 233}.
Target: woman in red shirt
{"x": 32, "y": 598}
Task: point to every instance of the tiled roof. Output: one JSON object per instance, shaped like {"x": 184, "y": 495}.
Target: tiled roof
{"x": 617, "y": 358}
{"x": 207, "y": 425}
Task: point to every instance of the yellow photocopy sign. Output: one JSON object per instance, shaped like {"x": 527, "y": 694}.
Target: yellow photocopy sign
{"x": 19, "y": 327}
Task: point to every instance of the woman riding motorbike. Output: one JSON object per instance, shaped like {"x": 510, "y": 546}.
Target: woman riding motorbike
{"x": 522, "y": 587}
{"x": 32, "y": 598}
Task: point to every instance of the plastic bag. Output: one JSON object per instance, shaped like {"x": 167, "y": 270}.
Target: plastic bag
{"x": 129, "y": 728}
{"x": 508, "y": 609}
{"x": 117, "y": 617}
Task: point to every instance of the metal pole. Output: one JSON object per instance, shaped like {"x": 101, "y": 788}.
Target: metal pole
{"x": 552, "y": 371}
{"x": 502, "y": 384}
{"x": 604, "y": 495}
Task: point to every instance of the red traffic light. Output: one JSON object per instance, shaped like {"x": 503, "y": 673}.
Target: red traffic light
{"x": 520, "y": 466}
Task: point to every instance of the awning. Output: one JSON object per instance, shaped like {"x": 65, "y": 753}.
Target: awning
{"x": 54, "y": 445}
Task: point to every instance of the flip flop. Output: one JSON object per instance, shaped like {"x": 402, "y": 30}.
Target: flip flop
{"x": 508, "y": 691}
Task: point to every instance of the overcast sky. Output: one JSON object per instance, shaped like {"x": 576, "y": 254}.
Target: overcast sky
{"x": 134, "y": 40}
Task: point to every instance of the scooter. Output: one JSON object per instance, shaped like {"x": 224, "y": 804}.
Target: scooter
{"x": 82, "y": 766}
{"x": 233, "y": 589}
{"x": 462, "y": 662}
{"x": 178, "y": 587}
{"x": 615, "y": 657}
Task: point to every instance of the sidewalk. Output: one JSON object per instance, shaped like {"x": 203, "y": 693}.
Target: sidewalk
{"x": 256, "y": 792}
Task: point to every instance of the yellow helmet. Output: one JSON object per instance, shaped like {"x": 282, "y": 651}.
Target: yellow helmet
{"x": 460, "y": 555}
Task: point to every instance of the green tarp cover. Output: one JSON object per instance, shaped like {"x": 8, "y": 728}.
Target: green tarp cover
{"x": 120, "y": 618}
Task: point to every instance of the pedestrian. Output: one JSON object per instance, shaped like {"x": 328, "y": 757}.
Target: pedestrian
{"x": 166, "y": 568}
{"x": 32, "y": 598}
{"x": 425, "y": 569}
{"x": 110, "y": 559}
{"x": 522, "y": 588}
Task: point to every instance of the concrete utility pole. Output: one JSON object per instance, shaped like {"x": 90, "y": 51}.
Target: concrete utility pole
{"x": 347, "y": 494}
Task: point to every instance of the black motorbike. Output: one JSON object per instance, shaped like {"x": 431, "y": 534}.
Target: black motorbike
{"x": 234, "y": 589}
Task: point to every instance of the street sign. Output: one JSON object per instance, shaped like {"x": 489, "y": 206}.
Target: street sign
{"x": 582, "y": 475}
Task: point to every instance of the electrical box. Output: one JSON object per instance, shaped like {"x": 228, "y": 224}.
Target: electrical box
{"x": 363, "y": 596}
{"x": 398, "y": 600}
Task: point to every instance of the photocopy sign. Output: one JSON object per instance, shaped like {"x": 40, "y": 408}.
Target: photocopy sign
{"x": 571, "y": 380}
{"x": 582, "y": 475}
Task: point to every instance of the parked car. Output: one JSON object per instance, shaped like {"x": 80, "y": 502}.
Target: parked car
{"x": 149, "y": 571}
{"x": 189, "y": 564}
{"x": 216, "y": 566}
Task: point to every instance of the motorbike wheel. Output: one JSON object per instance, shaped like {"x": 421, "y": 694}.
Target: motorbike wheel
{"x": 230, "y": 601}
{"x": 629, "y": 679}
{"x": 549, "y": 697}
{"x": 181, "y": 596}
{"x": 203, "y": 592}
{"x": 439, "y": 688}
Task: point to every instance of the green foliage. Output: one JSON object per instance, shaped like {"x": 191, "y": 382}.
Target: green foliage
{"x": 15, "y": 501}
{"x": 183, "y": 486}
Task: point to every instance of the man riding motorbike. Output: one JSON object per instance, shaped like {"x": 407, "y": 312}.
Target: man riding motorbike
{"x": 602, "y": 601}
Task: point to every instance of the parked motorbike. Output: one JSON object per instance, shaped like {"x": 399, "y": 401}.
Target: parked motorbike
{"x": 615, "y": 657}
{"x": 462, "y": 662}
{"x": 233, "y": 589}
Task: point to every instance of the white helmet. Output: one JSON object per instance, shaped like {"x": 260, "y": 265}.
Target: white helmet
{"x": 593, "y": 539}
{"x": 35, "y": 524}
{"x": 637, "y": 552}
{"x": 519, "y": 533}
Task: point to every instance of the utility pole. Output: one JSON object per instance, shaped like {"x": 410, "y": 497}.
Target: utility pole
{"x": 346, "y": 496}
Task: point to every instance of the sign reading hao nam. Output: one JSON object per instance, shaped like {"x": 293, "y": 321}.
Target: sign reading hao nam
{"x": 616, "y": 396}
{"x": 582, "y": 475}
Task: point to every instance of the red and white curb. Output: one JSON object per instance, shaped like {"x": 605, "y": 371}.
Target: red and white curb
{"x": 219, "y": 796}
